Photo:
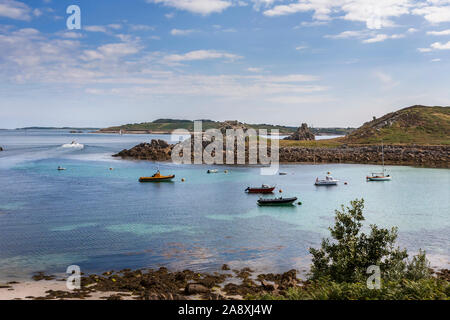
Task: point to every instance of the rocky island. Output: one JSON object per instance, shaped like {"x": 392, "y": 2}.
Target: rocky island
{"x": 417, "y": 136}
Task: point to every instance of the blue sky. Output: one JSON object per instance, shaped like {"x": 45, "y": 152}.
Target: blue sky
{"x": 324, "y": 62}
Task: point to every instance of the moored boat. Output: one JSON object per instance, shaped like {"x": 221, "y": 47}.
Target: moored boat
{"x": 277, "y": 201}
{"x": 380, "y": 176}
{"x": 263, "y": 189}
{"x": 212, "y": 171}
{"x": 157, "y": 177}
{"x": 328, "y": 181}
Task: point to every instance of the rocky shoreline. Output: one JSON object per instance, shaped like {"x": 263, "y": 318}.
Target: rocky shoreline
{"x": 162, "y": 284}
{"x": 413, "y": 155}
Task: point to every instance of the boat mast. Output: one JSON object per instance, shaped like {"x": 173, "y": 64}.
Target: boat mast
{"x": 382, "y": 155}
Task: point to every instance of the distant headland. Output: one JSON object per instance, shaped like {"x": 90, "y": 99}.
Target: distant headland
{"x": 417, "y": 135}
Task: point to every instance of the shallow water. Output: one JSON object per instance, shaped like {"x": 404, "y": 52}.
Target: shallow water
{"x": 104, "y": 219}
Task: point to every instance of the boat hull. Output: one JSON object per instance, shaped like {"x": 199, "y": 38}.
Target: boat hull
{"x": 327, "y": 183}
{"x": 260, "y": 190}
{"x": 156, "y": 179}
{"x": 378, "y": 178}
{"x": 277, "y": 202}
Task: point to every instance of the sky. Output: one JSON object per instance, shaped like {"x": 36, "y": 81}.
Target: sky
{"x": 324, "y": 62}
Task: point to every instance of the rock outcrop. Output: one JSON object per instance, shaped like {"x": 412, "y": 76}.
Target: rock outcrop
{"x": 426, "y": 156}
{"x": 302, "y": 133}
{"x": 156, "y": 150}
{"x": 232, "y": 124}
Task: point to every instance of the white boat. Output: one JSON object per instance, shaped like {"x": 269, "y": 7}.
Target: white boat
{"x": 212, "y": 171}
{"x": 380, "y": 176}
{"x": 61, "y": 168}
{"x": 328, "y": 181}
{"x": 74, "y": 145}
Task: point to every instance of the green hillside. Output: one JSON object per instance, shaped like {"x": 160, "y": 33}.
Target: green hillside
{"x": 413, "y": 125}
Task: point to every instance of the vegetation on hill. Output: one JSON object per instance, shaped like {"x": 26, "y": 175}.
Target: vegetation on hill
{"x": 413, "y": 125}
{"x": 340, "y": 266}
{"x": 168, "y": 125}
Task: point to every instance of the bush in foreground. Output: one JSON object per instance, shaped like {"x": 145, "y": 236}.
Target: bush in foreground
{"x": 425, "y": 289}
{"x": 339, "y": 267}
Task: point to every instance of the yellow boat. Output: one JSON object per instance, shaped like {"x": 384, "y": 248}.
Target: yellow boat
{"x": 157, "y": 177}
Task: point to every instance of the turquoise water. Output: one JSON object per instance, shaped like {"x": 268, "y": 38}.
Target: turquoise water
{"x": 104, "y": 219}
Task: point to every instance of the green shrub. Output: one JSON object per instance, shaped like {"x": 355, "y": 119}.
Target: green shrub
{"x": 346, "y": 257}
{"x": 424, "y": 289}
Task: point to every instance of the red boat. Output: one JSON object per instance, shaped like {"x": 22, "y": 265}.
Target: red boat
{"x": 263, "y": 189}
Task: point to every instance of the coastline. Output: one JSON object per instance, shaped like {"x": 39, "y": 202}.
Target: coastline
{"x": 162, "y": 284}
{"x": 405, "y": 155}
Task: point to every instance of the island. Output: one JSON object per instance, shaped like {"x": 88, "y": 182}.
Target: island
{"x": 417, "y": 136}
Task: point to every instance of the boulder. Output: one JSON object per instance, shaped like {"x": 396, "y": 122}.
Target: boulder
{"x": 302, "y": 133}
{"x": 195, "y": 288}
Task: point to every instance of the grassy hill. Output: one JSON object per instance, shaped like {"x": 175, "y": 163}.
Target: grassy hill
{"x": 419, "y": 125}
{"x": 413, "y": 125}
{"x": 168, "y": 125}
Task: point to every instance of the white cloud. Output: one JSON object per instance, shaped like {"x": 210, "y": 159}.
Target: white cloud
{"x": 385, "y": 78}
{"x": 436, "y": 46}
{"x": 382, "y": 37}
{"x": 181, "y": 32}
{"x": 349, "y": 34}
{"x": 439, "y": 33}
{"x": 438, "y": 13}
{"x": 14, "y": 10}
{"x": 123, "y": 69}
{"x": 258, "y": 4}
{"x": 203, "y": 7}
{"x": 301, "y": 48}
{"x": 111, "y": 51}
{"x": 115, "y": 26}
{"x": 255, "y": 70}
{"x": 293, "y": 78}
{"x": 367, "y": 35}
{"x": 377, "y": 38}
{"x": 441, "y": 46}
{"x": 375, "y": 14}
{"x": 141, "y": 27}
{"x": 95, "y": 28}
{"x": 412, "y": 30}
{"x": 37, "y": 12}
{"x": 201, "y": 55}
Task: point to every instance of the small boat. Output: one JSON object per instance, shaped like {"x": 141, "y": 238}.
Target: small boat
{"x": 381, "y": 176}
{"x": 212, "y": 171}
{"x": 276, "y": 201}
{"x": 378, "y": 177}
{"x": 74, "y": 145}
{"x": 61, "y": 168}
{"x": 157, "y": 177}
{"x": 328, "y": 181}
{"x": 263, "y": 189}
{"x": 282, "y": 173}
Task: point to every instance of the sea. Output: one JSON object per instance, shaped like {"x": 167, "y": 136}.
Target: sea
{"x": 95, "y": 214}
